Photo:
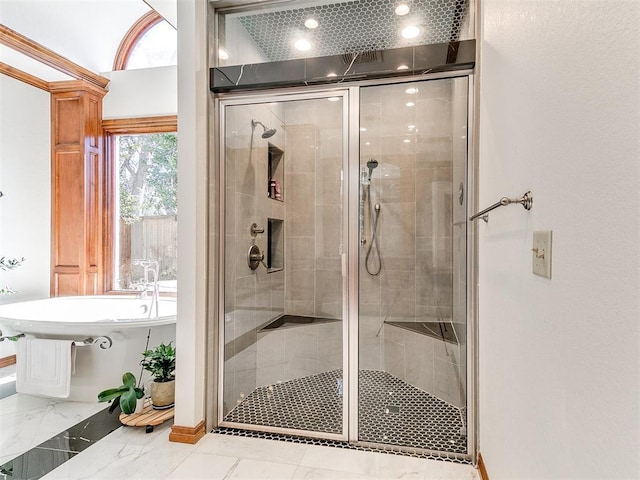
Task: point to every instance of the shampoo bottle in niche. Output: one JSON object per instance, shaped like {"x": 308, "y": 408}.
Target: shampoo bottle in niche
{"x": 272, "y": 189}
{"x": 278, "y": 190}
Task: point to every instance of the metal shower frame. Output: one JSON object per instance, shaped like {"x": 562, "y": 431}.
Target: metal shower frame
{"x": 350, "y": 339}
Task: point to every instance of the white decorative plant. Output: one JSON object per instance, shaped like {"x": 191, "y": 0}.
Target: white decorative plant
{"x": 9, "y": 264}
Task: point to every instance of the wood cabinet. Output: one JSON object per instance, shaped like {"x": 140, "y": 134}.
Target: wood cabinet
{"x": 77, "y": 171}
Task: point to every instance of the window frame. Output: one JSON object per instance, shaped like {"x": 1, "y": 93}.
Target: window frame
{"x": 130, "y": 40}
{"x": 111, "y": 129}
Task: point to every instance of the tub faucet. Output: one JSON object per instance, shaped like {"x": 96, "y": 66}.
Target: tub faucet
{"x": 150, "y": 267}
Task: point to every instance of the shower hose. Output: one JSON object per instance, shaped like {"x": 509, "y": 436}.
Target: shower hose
{"x": 374, "y": 240}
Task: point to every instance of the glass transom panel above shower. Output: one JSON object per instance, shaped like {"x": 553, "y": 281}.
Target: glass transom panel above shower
{"x": 344, "y": 254}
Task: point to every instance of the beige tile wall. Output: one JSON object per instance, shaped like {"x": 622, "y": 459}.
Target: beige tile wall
{"x": 311, "y": 282}
{"x": 413, "y": 183}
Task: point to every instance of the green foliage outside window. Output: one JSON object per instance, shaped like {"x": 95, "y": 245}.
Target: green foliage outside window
{"x": 148, "y": 175}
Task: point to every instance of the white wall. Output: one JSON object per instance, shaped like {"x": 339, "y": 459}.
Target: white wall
{"x": 559, "y": 359}
{"x": 193, "y": 77}
{"x": 25, "y": 207}
{"x": 143, "y": 92}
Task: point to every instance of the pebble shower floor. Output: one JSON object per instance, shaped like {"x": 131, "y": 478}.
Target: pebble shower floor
{"x": 392, "y": 411}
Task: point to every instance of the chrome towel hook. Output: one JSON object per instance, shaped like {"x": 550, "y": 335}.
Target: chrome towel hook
{"x": 525, "y": 200}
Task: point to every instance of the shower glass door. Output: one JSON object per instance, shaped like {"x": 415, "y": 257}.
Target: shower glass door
{"x": 282, "y": 159}
{"x": 301, "y": 310}
{"x": 412, "y": 383}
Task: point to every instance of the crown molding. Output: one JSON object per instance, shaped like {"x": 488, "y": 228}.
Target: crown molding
{"x": 32, "y": 49}
{"x": 75, "y": 86}
{"x": 23, "y": 76}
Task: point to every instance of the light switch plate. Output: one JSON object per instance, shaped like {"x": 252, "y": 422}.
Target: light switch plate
{"x": 541, "y": 253}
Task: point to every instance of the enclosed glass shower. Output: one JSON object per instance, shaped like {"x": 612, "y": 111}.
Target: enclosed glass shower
{"x": 345, "y": 266}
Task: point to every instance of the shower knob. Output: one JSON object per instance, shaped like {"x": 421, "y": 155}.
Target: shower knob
{"x": 254, "y": 257}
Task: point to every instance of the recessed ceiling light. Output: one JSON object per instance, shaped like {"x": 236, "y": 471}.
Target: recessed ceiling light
{"x": 402, "y": 9}
{"x": 311, "y": 23}
{"x": 411, "y": 90}
{"x": 367, "y": 143}
{"x": 223, "y": 54}
{"x": 302, "y": 44}
{"x": 403, "y": 67}
{"x": 333, "y": 99}
{"x": 409, "y": 104}
{"x": 406, "y": 140}
{"x": 411, "y": 127}
{"x": 332, "y": 74}
{"x": 363, "y": 129}
{"x": 410, "y": 31}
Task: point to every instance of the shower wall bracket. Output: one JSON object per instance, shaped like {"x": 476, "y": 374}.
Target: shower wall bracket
{"x": 255, "y": 230}
{"x": 526, "y": 201}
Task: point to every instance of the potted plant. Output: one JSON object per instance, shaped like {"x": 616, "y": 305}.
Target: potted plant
{"x": 128, "y": 396}
{"x": 161, "y": 363}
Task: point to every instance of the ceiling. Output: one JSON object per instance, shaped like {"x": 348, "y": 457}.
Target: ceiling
{"x": 87, "y": 32}
{"x": 349, "y": 26}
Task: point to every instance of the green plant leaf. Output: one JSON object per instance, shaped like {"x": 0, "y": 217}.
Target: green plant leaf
{"x": 160, "y": 362}
{"x": 111, "y": 394}
{"x": 128, "y": 401}
{"x": 128, "y": 380}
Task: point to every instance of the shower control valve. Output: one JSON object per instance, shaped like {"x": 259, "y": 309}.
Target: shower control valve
{"x": 254, "y": 257}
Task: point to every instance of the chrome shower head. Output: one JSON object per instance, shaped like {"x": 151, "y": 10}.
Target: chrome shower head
{"x": 267, "y": 132}
{"x": 371, "y": 164}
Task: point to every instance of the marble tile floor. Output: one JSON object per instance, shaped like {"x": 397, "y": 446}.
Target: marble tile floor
{"x": 27, "y": 421}
{"x": 130, "y": 453}
{"x": 50, "y": 454}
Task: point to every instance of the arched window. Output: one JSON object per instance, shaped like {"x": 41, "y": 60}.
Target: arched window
{"x": 150, "y": 42}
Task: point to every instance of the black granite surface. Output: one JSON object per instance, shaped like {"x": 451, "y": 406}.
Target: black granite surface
{"x": 52, "y": 453}
{"x": 419, "y": 60}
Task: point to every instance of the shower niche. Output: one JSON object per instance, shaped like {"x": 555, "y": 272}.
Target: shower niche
{"x": 275, "y": 173}
{"x": 275, "y": 245}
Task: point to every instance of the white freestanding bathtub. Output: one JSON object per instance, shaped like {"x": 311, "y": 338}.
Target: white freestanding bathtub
{"x": 125, "y": 321}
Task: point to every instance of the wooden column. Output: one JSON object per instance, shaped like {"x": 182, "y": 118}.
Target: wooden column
{"x": 77, "y": 170}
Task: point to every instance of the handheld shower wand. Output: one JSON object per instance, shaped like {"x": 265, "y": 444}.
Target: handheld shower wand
{"x": 374, "y": 216}
{"x": 371, "y": 165}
